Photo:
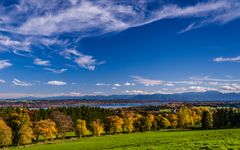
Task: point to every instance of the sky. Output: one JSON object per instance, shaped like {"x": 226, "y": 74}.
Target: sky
{"x": 89, "y": 47}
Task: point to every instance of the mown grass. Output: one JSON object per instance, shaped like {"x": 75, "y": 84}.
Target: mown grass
{"x": 169, "y": 139}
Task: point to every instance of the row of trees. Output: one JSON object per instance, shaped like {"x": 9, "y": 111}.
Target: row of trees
{"x": 220, "y": 118}
{"x": 84, "y": 112}
{"x": 21, "y": 127}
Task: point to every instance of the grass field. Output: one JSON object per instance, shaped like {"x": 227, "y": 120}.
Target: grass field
{"x": 171, "y": 139}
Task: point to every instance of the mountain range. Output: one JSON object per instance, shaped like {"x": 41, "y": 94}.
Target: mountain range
{"x": 188, "y": 96}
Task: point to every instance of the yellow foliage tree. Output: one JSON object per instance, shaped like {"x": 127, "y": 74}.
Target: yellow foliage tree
{"x": 185, "y": 117}
{"x": 173, "y": 118}
{"x": 129, "y": 121}
{"x": 5, "y": 134}
{"x": 81, "y": 128}
{"x": 97, "y": 127}
{"x": 116, "y": 123}
{"x": 16, "y": 120}
{"x": 26, "y": 134}
{"x": 165, "y": 122}
{"x": 46, "y": 128}
{"x": 149, "y": 122}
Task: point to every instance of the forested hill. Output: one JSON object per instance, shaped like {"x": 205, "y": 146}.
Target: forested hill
{"x": 190, "y": 96}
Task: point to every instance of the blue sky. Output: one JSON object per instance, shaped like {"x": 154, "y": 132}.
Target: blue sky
{"x": 87, "y": 47}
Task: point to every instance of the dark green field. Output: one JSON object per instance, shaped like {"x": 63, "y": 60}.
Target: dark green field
{"x": 171, "y": 139}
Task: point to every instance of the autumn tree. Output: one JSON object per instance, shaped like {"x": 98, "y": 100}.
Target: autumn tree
{"x": 185, "y": 118}
{"x": 149, "y": 121}
{"x": 129, "y": 121}
{"x": 196, "y": 115}
{"x": 5, "y": 134}
{"x": 173, "y": 119}
{"x": 81, "y": 128}
{"x": 16, "y": 120}
{"x": 140, "y": 123}
{"x": 63, "y": 123}
{"x": 46, "y": 128}
{"x": 163, "y": 122}
{"x": 207, "y": 120}
{"x": 26, "y": 134}
{"x": 116, "y": 124}
{"x": 97, "y": 127}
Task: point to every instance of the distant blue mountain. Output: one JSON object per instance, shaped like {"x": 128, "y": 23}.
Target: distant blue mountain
{"x": 188, "y": 96}
{"x": 192, "y": 96}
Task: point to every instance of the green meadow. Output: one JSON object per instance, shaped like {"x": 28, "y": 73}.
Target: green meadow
{"x": 165, "y": 139}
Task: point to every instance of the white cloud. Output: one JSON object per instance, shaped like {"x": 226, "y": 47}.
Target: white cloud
{"x": 102, "y": 84}
{"x": 223, "y": 59}
{"x": 4, "y": 64}
{"x": 2, "y": 81}
{"x": 75, "y": 94}
{"x": 41, "y": 23}
{"x": 129, "y": 84}
{"x": 87, "y": 15}
{"x": 200, "y": 89}
{"x": 56, "y": 82}
{"x": 189, "y": 82}
{"x": 57, "y": 71}
{"x": 169, "y": 84}
{"x": 117, "y": 16}
{"x": 41, "y": 62}
{"x": 213, "y": 83}
{"x": 6, "y": 43}
{"x": 114, "y": 88}
{"x": 98, "y": 93}
{"x": 20, "y": 83}
{"x": 117, "y": 84}
{"x": 147, "y": 82}
{"x": 84, "y": 61}
{"x": 136, "y": 92}
{"x": 207, "y": 78}
{"x": 231, "y": 87}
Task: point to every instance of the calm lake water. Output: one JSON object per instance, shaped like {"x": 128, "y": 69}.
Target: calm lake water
{"x": 122, "y": 105}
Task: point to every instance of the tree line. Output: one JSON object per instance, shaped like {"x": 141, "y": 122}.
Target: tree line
{"x": 221, "y": 118}
{"x": 20, "y": 126}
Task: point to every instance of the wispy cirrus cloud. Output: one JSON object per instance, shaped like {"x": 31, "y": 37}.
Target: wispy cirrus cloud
{"x": 56, "y": 71}
{"x": 227, "y": 59}
{"x": 116, "y": 16}
{"x": 15, "y": 45}
{"x": 4, "y": 64}
{"x": 147, "y": 82}
{"x": 26, "y": 24}
{"x": 91, "y": 18}
{"x": 40, "y": 62}
{"x": 18, "y": 82}
{"x": 84, "y": 61}
{"x": 210, "y": 79}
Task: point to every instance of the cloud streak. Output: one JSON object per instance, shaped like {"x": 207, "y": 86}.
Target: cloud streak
{"x": 18, "y": 82}
{"x": 83, "y": 61}
{"x": 26, "y": 24}
{"x": 227, "y": 59}
{"x": 4, "y": 64}
{"x": 147, "y": 82}
{"x": 41, "y": 62}
{"x": 56, "y": 71}
{"x": 57, "y": 83}
{"x": 92, "y": 18}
